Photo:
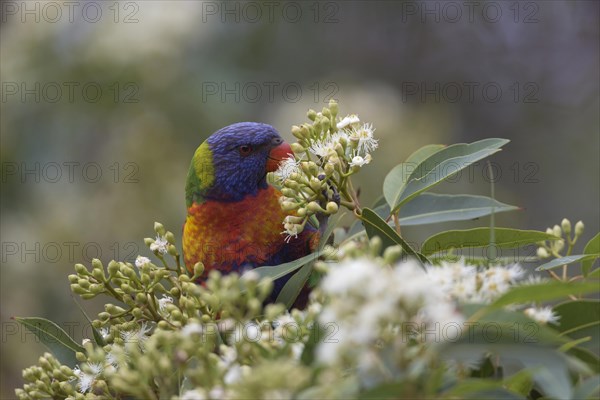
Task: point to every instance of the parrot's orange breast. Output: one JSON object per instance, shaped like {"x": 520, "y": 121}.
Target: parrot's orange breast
{"x": 228, "y": 235}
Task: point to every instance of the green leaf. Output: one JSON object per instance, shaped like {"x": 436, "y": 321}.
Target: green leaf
{"x": 429, "y": 208}
{"x": 376, "y": 226}
{"x": 540, "y": 292}
{"x": 548, "y": 367}
{"x": 580, "y": 319}
{"x": 557, "y": 262}
{"x": 97, "y": 336}
{"x": 480, "y": 237}
{"x": 54, "y": 338}
{"x": 397, "y": 179}
{"x": 479, "y": 389}
{"x": 399, "y": 186}
{"x": 294, "y": 285}
{"x": 521, "y": 382}
{"x": 592, "y": 247}
{"x": 277, "y": 271}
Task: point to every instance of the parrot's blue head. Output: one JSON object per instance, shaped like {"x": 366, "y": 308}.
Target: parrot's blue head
{"x": 233, "y": 162}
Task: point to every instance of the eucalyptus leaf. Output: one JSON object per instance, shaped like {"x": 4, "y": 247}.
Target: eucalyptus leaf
{"x": 277, "y": 271}
{"x": 558, "y": 262}
{"x": 60, "y": 344}
{"x": 553, "y": 290}
{"x": 480, "y": 237}
{"x": 294, "y": 285}
{"x": 592, "y": 247}
{"x": 430, "y": 208}
{"x": 405, "y": 181}
{"x": 580, "y": 319}
{"x": 376, "y": 226}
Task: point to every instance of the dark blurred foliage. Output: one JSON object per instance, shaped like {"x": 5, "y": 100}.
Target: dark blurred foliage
{"x": 378, "y": 58}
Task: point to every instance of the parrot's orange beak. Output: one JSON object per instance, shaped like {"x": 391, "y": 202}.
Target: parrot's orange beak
{"x": 277, "y": 155}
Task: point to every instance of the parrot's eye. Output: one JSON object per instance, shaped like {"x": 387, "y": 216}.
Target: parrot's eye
{"x": 245, "y": 150}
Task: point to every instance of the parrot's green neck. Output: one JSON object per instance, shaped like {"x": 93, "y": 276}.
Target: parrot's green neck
{"x": 201, "y": 175}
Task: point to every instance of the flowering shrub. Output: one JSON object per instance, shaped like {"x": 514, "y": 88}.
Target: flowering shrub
{"x": 384, "y": 319}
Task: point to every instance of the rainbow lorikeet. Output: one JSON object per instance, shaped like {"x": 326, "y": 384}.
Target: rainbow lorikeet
{"x": 234, "y": 220}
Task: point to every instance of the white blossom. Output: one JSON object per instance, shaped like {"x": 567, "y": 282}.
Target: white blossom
{"x": 137, "y": 335}
{"x": 358, "y": 161}
{"x": 348, "y": 120}
{"x": 542, "y": 315}
{"x": 160, "y": 244}
{"x": 162, "y": 302}
{"x": 286, "y": 168}
{"x": 140, "y": 260}
{"x": 364, "y": 136}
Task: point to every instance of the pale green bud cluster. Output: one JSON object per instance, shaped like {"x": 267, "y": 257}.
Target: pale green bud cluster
{"x": 47, "y": 379}
{"x": 553, "y": 248}
{"x": 316, "y": 180}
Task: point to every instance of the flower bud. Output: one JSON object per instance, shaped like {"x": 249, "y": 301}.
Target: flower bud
{"x": 287, "y": 192}
{"x": 148, "y": 241}
{"x": 333, "y": 107}
{"x": 198, "y": 269}
{"x": 137, "y": 313}
{"x": 81, "y": 269}
{"x": 375, "y": 245}
{"x": 311, "y": 114}
{"x": 172, "y": 250}
{"x": 557, "y": 231}
{"x": 297, "y": 132}
{"x": 297, "y": 148}
{"x": 332, "y": 207}
{"x": 325, "y": 123}
{"x": 329, "y": 169}
{"x": 113, "y": 267}
{"x": 566, "y": 226}
{"x": 301, "y": 212}
{"x": 289, "y": 206}
{"x": 542, "y": 253}
{"x": 558, "y": 245}
{"x": 159, "y": 228}
{"x": 80, "y": 356}
{"x": 98, "y": 274}
{"x": 175, "y": 292}
{"x": 170, "y": 237}
{"x": 315, "y": 185}
{"x": 314, "y": 207}
{"x": 579, "y": 228}
{"x": 75, "y": 288}
{"x": 392, "y": 254}
{"x": 549, "y": 231}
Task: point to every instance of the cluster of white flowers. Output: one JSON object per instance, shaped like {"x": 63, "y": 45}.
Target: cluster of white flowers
{"x": 470, "y": 284}
{"x": 366, "y": 300}
{"x": 315, "y": 179}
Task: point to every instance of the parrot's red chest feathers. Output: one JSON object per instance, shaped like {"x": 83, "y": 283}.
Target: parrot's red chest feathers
{"x": 228, "y": 235}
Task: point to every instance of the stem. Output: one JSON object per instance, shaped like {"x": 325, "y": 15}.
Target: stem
{"x": 396, "y": 223}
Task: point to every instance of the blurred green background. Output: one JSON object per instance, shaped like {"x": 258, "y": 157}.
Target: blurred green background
{"x": 104, "y": 103}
